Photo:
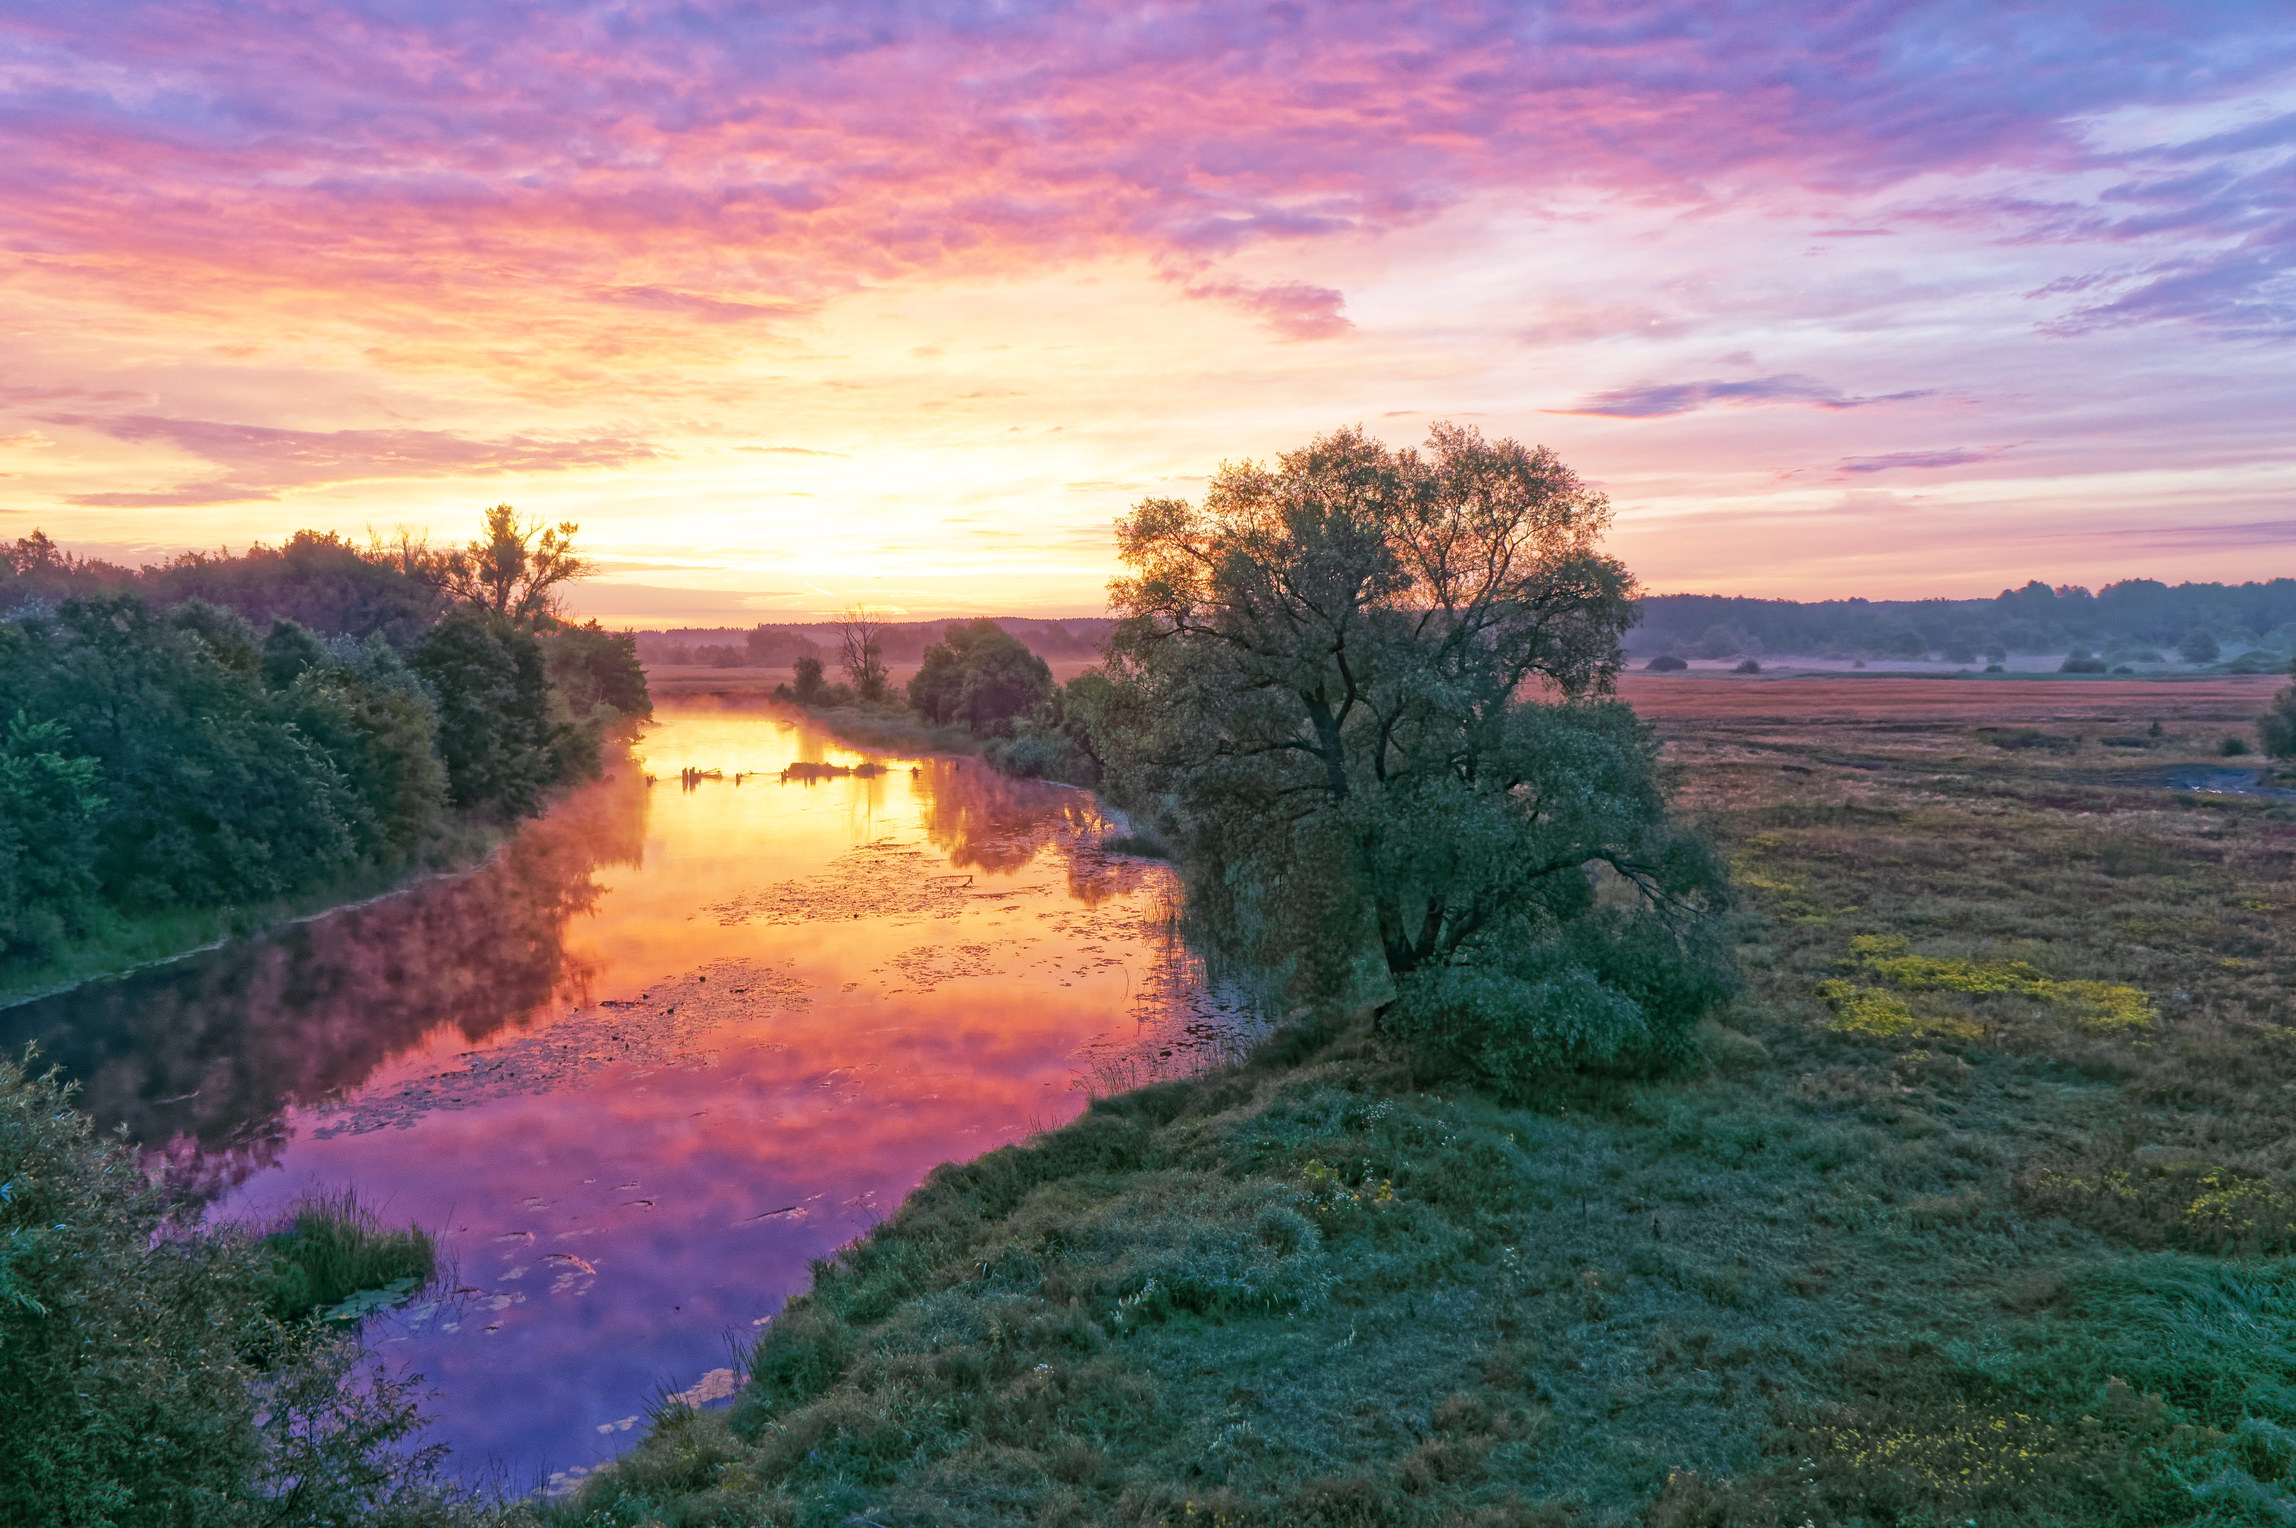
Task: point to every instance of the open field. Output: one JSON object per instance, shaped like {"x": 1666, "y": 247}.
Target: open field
{"x": 1980, "y": 1208}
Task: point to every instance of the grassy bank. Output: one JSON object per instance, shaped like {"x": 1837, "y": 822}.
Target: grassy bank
{"x": 1976, "y": 1211}
{"x": 123, "y": 942}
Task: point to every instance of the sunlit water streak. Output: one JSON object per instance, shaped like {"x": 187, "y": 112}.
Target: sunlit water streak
{"x": 674, "y": 1043}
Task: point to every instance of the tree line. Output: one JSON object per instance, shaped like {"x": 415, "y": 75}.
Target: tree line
{"x": 223, "y": 731}
{"x": 2137, "y": 618}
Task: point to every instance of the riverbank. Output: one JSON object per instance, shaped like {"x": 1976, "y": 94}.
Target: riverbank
{"x": 125, "y": 945}
{"x": 1974, "y": 1210}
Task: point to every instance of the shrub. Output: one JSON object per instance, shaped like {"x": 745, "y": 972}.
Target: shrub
{"x": 1666, "y": 663}
{"x": 147, "y": 1382}
{"x": 50, "y": 796}
{"x": 493, "y": 693}
{"x": 982, "y": 676}
{"x": 1748, "y": 666}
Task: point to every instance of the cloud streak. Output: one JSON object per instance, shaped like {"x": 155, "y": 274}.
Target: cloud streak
{"x": 259, "y": 463}
{"x": 1660, "y": 400}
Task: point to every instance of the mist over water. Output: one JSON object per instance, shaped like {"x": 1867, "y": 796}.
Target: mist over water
{"x": 674, "y": 1042}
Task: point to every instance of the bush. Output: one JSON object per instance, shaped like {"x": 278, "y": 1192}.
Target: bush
{"x": 49, "y": 799}
{"x": 148, "y": 1383}
{"x": 1666, "y": 663}
{"x": 2276, "y": 728}
{"x": 1748, "y": 666}
{"x": 810, "y": 688}
{"x": 493, "y": 695}
{"x": 2081, "y": 661}
{"x": 981, "y": 676}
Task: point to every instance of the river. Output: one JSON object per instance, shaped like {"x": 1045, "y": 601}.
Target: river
{"x": 676, "y": 1040}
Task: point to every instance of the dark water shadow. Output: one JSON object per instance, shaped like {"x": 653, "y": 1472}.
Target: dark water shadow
{"x": 201, "y": 1058}
{"x": 2216, "y": 780}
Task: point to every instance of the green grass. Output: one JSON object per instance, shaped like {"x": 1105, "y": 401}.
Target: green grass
{"x": 1974, "y": 1211}
{"x": 121, "y": 943}
{"x": 330, "y": 1258}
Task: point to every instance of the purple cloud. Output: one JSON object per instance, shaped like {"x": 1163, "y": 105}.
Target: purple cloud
{"x": 1892, "y": 461}
{"x": 357, "y": 145}
{"x": 1293, "y": 309}
{"x": 259, "y": 462}
{"x": 1658, "y": 400}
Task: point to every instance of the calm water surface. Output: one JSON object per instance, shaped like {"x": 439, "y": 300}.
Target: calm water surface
{"x": 673, "y": 1043}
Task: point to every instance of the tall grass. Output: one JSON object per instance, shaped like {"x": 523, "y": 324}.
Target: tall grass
{"x": 330, "y": 1257}
{"x": 147, "y": 1378}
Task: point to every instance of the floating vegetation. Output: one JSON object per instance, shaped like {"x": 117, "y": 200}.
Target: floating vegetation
{"x": 662, "y": 1030}
{"x": 805, "y": 769}
{"x": 885, "y": 879}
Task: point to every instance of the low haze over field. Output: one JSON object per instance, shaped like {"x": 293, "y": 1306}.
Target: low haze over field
{"x": 795, "y": 307}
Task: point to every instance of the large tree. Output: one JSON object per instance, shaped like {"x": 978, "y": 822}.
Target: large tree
{"x": 981, "y": 675}
{"x": 1363, "y": 691}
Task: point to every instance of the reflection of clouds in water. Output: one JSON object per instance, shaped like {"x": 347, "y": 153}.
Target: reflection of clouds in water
{"x": 662, "y": 1030}
{"x": 887, "y": 879}
{"x": 201, "y": 1057}
{"x": 620, "y": 1185}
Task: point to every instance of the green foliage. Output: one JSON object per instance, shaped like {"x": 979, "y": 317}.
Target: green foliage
{"x": 980, "y": 676}
{"x": 50, "y": 798}
{"x": 2276, "y": 728}
{"x": 1319, "y": 700}
{"x": 211, "y": 793}
{"x": 2198, "y": 646}
{"x": 809, "y": 688}
{"x": 147, "y": 1384}
{"x": 596, "y": 676}
{"x": 514, "y": 573}
{"x": 1056, "y": 741}
{"x": 168, "y": 768}
{"x": 289, "y": 652}
{"x": 326, "y": 1253}
{"x": 495, "y": 733}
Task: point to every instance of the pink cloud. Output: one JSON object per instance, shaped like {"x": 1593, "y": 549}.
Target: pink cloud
{"x": 1292, "y": 309}
{"x": 1657, "y": 400}
{"x": 755, "y": 161}
{"x": 259, "y": 462}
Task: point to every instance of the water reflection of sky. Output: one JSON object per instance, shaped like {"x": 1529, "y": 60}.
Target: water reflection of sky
{"x": 672, "y": 1045}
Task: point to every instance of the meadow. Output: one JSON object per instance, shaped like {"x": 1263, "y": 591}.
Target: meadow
{"x": 1978, "y": 1207}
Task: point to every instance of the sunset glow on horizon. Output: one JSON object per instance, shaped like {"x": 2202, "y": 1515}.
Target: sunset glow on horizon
{"x": 798, "y": 307}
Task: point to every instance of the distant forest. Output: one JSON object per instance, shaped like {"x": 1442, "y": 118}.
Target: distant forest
{"x": 2140, "y": 619}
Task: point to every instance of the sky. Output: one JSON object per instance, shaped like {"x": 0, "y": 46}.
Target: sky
{"x": 793, "y": 307}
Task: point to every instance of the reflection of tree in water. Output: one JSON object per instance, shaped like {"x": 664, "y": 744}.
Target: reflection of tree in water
{"x": 986, "y": 821}
{"x": 200, "y": 1058}
{"x": 983, "y": 820}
